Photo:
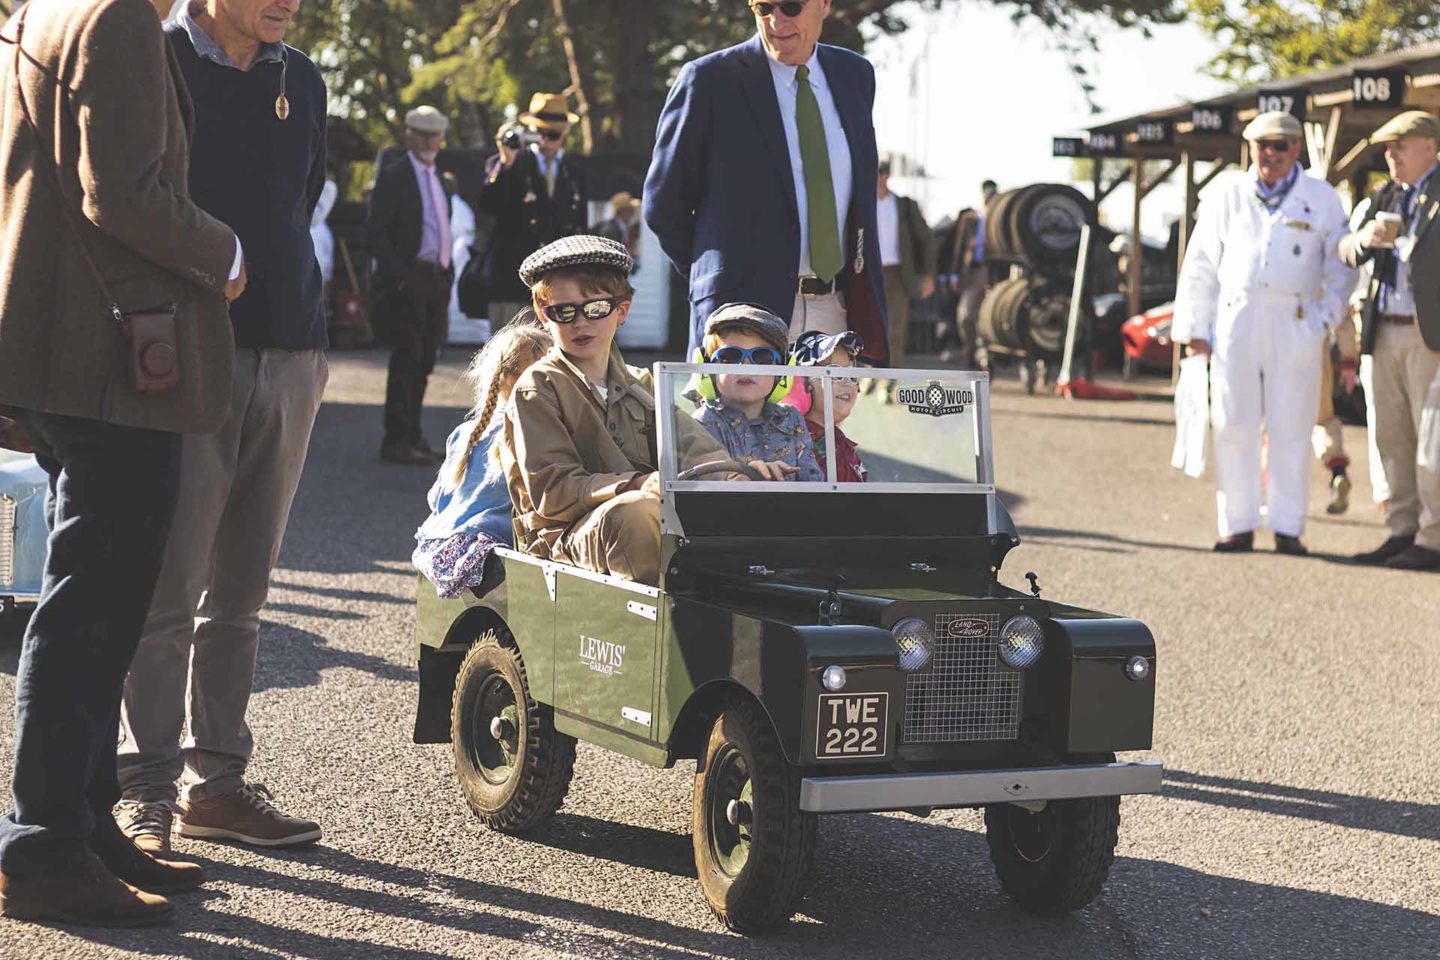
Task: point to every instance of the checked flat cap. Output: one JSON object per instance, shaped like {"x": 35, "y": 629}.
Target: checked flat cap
{"x": 581, "y": 250}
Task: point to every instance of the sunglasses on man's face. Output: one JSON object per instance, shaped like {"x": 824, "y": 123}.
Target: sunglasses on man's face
{"x": 553, "y": 135}
{"x": 1275, "y": 146}
{"x": 791, "y": 8}
{"x": 760, "y": 356}
{"x": 597, "y": 309}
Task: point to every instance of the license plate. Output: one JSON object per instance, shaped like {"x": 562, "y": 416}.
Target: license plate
{"x": 852, "y": 725}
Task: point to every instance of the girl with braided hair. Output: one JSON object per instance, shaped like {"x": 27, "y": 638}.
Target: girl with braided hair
{"x": 470, "y": 507}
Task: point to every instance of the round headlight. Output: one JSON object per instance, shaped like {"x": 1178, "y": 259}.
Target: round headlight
{"x": 916, "y": 642}
{"x": 833, "y": 679}
{"x": 1021, "y": 641}
{"x": 1137, "y": 668}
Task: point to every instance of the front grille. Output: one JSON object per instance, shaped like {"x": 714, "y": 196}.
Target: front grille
{"x": 7, "y": 539}
{"x": 965, "y": 693}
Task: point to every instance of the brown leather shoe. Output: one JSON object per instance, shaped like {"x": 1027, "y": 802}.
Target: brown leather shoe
{"x": 147, "y": 824}
{"x": 84, "y": 894}
{"x": 246, "y": 815}
{"x": 406, "y": 454}
{"x": 127, "y": 861}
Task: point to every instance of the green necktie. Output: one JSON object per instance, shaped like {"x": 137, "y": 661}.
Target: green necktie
{"x": 819, "y": 185}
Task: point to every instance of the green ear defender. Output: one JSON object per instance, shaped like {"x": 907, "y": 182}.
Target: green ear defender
{"x": 706, "y": 385}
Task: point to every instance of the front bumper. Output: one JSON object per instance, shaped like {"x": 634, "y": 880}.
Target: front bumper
{"x": 908, "y": 791}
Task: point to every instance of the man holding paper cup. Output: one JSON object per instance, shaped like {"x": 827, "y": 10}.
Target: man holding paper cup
{"x": 1401, "y": 333}
{"x": 1260, "y": 287}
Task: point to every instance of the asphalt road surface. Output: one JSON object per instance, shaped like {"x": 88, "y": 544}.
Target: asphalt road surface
{"x": 1298, "y": 717}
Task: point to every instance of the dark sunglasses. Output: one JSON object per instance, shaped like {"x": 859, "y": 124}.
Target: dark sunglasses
{"x": 597, "y": 309}
{"x": 791, "y": 8}
{"x": 760, "y": 356}
{"x": 1279, "y": 146}
{"x": 553, "y": 135}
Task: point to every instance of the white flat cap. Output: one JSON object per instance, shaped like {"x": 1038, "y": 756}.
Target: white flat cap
{"x": 1275, "y": 123}
{"x": 426, "y": 120}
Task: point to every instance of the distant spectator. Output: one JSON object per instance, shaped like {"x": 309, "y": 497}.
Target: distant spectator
{"x": 907, "y": 251}
{"x": 624, "y": 224}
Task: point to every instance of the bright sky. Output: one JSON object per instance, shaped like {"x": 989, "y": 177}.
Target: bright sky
{"x": 973, "y": 95}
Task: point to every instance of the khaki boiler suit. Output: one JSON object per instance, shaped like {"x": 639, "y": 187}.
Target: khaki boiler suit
{"x": 575, "y": 461}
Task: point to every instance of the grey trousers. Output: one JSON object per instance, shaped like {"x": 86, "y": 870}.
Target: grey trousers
{"x": 196, "y": 658}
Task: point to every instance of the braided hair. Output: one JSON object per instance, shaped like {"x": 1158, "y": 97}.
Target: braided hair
{"x": 493, "y": 372}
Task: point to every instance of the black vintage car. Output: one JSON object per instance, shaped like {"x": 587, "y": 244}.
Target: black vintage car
{"x": 815, "y": 648}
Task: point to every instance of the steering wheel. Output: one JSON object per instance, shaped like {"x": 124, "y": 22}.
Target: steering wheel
{"x": 719, "y": 466}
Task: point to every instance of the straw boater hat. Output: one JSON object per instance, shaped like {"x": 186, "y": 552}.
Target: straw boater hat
{"x": 549, "y": 111}
{"x": 623, "y": 201}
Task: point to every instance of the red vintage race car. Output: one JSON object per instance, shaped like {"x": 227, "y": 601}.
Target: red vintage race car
{"x": 1146, "y": 339}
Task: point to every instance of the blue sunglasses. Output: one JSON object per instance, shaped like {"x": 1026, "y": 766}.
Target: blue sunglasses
{"x": 760, "y": 356}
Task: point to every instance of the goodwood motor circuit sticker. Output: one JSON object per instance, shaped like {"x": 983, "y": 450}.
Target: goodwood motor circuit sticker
{"x": 936, "y": 399}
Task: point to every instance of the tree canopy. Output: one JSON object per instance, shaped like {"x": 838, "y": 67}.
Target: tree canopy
{"x": 471, "y": 58}
{"x": 1265, "y": 39}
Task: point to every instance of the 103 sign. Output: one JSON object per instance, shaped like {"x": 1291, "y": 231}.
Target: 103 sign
{"x": 1378, "y": 88}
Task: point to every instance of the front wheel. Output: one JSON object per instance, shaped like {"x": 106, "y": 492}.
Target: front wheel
{"x": 1056, "y": 860}
{"x": 513, "y": 767}
{"x": 754, "y": 846}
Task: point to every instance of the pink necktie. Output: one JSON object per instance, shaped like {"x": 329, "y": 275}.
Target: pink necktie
{"x": 442, "y": 218}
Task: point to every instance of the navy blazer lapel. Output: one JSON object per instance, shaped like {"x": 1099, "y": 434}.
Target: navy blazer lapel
{"x": 759, "y": 87}
{"x": 846, "y": 97}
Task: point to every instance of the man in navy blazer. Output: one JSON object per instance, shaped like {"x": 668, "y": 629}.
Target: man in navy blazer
{"x": 726, "y": 194}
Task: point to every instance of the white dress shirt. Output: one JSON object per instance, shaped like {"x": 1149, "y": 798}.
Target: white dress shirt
{"x": 841, "y": 173}
{"x": 888, "y": 212}
{"x": 549, "y": 169}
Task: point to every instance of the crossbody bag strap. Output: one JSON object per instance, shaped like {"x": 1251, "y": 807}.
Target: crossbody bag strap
{"x": 49, "y": 161}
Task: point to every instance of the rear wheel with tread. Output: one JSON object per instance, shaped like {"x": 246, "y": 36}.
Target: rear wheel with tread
{"x": 513, "y": 767}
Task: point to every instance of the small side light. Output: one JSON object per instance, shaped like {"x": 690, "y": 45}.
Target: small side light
{"x": 833, "y": 679}
{"x": 1137, "y": 668}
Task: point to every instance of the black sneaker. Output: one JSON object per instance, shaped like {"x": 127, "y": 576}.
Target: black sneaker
{"x": 1236, "y": 543}
{"x": 1390, "y": 548}
{"x": 1290, "y": 546}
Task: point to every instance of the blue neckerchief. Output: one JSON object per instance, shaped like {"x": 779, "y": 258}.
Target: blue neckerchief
{"x": 1272, "y": 197}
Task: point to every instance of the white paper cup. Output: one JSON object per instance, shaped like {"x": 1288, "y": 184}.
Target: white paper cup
{"x": 1392, "y": 222}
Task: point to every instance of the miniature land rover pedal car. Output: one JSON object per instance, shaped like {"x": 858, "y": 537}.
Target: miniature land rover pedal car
{"x": 815, "y": 648}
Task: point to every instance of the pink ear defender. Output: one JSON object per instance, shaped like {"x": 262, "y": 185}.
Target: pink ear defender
{"x": 799, "y": 395}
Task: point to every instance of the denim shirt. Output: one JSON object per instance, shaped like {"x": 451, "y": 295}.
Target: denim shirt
{"x": 779, "y": 433}
{"x": 481, "y": 503}
{"x": 210, "y": 50}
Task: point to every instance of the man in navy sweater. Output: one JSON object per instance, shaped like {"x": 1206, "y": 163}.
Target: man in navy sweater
{"x": 258, "y": 165}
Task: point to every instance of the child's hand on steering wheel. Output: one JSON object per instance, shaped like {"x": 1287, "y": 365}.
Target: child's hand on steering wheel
{"x": 773, "y": 469}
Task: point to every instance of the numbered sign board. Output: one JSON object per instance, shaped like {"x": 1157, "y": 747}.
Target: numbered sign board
{"x": 1067, "y": 147}
{"x": 1154, "y": 131}
{"x": 1106, "y": 143}
{"x": 1294, "y": 101}
{"x": 1378, "y": 88}
{"x": 1212, "y": 119}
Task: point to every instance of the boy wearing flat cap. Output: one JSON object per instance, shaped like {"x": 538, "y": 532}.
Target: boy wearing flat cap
{"x": 579, "y": 437}
{"x": 1401, "y": 335}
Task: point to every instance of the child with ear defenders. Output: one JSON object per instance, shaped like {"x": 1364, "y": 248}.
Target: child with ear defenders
{"x": 742, "y": 411}
{"x": 816, "y": 349}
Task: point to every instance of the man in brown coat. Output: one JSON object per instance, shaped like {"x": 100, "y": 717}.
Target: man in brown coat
{"x": 102, "y": 175}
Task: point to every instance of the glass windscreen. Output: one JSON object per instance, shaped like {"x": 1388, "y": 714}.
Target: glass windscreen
{"x": 822, "y": 427}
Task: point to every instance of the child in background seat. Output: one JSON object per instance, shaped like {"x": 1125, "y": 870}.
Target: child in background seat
{"x": 816, "y": 349}
{"x": 470, "y": 509}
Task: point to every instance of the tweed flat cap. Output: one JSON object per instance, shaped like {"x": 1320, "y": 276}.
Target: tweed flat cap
{"x": 581, "y": 250}
{"x": 755, "y": 318}
{"x": 427, "y": 120}
{"x": 1274, "y": 123}
{"x": 1411, "y": 123}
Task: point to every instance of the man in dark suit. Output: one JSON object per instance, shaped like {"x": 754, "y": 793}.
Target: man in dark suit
{"x": 411, "y": 242}
{"x": 534, "y": 193}
{"x": 762, "y": 185}
{"x": 907, "y": 250}
{"x": 1401, "y": 334}
{"x": 96, "y": 217}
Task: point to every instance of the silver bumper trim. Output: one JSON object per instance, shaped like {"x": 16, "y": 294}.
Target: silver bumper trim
{"x": 903, "y": 791}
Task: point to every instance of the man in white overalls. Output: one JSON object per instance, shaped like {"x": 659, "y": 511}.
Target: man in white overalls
{"x": 1261, "y": 283}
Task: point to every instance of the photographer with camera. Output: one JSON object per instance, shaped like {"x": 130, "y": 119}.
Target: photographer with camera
{"x": 535, "y": 195}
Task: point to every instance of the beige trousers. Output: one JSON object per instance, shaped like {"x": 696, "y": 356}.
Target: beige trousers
{"x": 1406, "y": 377}
{"x": 1327, "y": 438}
{"x": 897, "y": 306}
{"x": 826, "y": 314}
{"x": 620, "y": 537}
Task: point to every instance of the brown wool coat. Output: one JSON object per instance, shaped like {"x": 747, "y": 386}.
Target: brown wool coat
{"x": 565, "y": 453}
{"x": 124, "y": 167}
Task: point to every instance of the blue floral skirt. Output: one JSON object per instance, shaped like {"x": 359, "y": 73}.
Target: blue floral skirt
{"x": 454, "y": 564}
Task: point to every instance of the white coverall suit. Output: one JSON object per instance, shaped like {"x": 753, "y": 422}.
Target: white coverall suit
{"x": 1263, "y": 287}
